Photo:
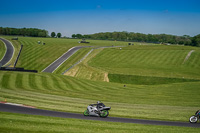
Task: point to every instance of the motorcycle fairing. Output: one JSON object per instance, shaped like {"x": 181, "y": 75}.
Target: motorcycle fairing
{"x": 92, "y": 110}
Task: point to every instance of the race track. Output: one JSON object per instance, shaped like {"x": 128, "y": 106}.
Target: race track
{"x": 34, "y": 111}
{"x": 9, "y": 52}
{"x": 53, "y": 66}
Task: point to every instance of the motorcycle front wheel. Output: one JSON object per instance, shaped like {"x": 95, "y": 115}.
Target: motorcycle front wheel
{"x": 104, "y": 113}
{"x": 193, "y": 119}
{"x": 85, "y": 113}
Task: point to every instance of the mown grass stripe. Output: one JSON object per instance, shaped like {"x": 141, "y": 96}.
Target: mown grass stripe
{"x": 45, "y": 84}
{"x": 41, "y": 100}
{"x": 32, "y": 82}
{"x": 89, "y": 86}
{"x": 56, "y": 84}
{"x": 67, "y": 83}
{"x": 38, "y": 80}
{"x": 5, "y": 81}
{"x": 76, "y": 87}
{"x": 19, "y": 80}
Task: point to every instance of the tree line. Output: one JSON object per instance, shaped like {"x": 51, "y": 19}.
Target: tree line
{"x": 119, "y": 36}
{"x": 58, "y": 35}
{"x": 33, "y": 32}
{"x": 139, "y": 37}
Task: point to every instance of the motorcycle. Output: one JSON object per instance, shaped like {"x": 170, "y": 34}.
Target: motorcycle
{"x": 195, "y": 118}
{"x": 98, "y": 109}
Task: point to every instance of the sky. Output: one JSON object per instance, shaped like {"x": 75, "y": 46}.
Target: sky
{"x": 176, "y": 17}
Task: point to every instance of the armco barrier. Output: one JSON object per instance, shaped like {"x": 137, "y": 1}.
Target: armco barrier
{"x": 16, "y": 69}
{"x": 18, "y": 55}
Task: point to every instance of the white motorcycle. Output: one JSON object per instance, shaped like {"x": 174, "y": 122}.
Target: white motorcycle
{"x": 195, "y": 118}
{"x": 98, "y": 109}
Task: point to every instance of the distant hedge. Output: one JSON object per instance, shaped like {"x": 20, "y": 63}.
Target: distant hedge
{"x": 140, "y": 37}
{"x": 33, "y": 32}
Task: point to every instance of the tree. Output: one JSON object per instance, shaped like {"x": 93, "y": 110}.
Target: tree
{"x": 196, "y": 40}
{"x": 59, "y": 35}
{"x": 24, "y": 31}
{"x": 53, "y": 34}
{"x": 73, "y": 35}
{"x": 79, "y": 36}
{"x": 41, "y": 34}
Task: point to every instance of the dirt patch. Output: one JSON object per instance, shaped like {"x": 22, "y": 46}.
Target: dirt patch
{"x": 106, "y": 79}
{"x": 72, "y": 72}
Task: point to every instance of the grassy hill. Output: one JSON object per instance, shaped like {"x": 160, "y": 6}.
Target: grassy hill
{"x": 28, "y": 123}
{"x": 160, "y": 61}
{"x": 63, "y": 93}
{"x": 38, "y": 57}
{"x": 159, "y": 84}
{"x": 149, "y": 64}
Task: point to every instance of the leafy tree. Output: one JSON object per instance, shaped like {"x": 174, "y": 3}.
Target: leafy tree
{"x": 53, "y": 34}
{"x": 23, "y": 31}
{"x": 41, "y": 34}
{"x": 59, "y": 35}
{"x": 79, "y": 36}
{"x": 73, "y": 35}
{"x": 139, "y": 37}
{"x": 196, "y": 40}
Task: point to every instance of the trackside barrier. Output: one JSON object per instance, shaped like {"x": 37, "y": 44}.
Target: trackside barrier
{"x": 18, "y": 55}
{"x": 78, "y": 62}
{"x": 86, "y": 56}
{"x": 16, "y": 69}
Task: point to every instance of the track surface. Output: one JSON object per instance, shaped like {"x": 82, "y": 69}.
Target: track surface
{"x": 9, "y": 52}
{"x": 34, "y": 111}
{"x": 53, "y": 66}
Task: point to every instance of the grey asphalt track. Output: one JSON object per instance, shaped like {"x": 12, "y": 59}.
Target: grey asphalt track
{"x": 34, "y": 111}
{"x": 53, "y": 66}
{"x": 9, "y": 52}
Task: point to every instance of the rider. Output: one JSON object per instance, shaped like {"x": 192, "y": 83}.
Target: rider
{"x": 99, "y": 105}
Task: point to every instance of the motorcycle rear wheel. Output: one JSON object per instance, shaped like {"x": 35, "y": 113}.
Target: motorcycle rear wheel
{"x": 104, "y": 113}
{"x": 193, "y": 119}
{"x": 85, "y": 113}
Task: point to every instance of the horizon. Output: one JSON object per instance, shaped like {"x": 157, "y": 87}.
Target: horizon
{"x": 181, "y": 17}
{"x": 49, "y": 33}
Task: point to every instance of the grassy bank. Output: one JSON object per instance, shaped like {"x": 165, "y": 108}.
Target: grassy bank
{"x": 38, "y": 56}
{"x": 15, "y": 123}
{"x": 56, "y": 92}
{"x": 159, "y": 85}
{"x": 146, "y": 80}
{"x": 72, "y": 60}
{"x": 158, "y": 61}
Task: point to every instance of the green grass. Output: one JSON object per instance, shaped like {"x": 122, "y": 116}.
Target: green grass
{"x": 14, "y": 123}
{"x": 146, "y": 80}
{"x": 158, "y": 61}
{"x": 38, "y": 57}
{"x": 84, "y": 71}
{"x": 56, "y": 92}
{"x": 2, "y": 50}
{"x": 72, "y": 60}
{"x": 17, "y": 46}
{"x": 173, "y": 96}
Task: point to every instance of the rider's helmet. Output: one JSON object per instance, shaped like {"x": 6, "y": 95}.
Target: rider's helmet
{"x": 98, "y": 102}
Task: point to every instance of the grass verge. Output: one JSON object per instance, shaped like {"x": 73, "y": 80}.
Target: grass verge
{"x": 14, "y": 123}
{"x": 174, "y": 102}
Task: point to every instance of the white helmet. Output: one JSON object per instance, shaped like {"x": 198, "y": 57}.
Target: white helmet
{"x": 98, "y": 102}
